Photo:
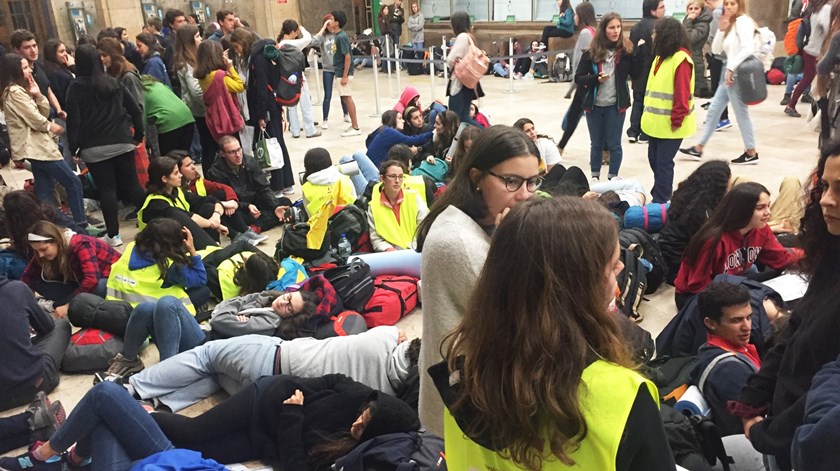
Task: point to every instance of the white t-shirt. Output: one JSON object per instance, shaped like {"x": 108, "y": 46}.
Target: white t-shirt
{"x": 548, "y": 151}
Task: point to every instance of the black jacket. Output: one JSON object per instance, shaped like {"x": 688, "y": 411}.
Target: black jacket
{"x": 250, "y": 183}
{"x": 586, "y": 76}
{"x": 815, "y": 442}
{"x": 22, "y": 362}
{"x": 809, "y": 342}
{"x": 201, "y": 205}
{"x": 95, "y": 119}
{"x": 673, "y": 239}
{"x": 723, "y": 384}
{"x": 262, "y": 79}
{"x": 643, "y": 30}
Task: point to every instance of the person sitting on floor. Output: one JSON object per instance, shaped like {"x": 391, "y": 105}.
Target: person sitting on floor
{"x": 322, "y": 183}
{"x": 734, "y": 238}
{"x": 244, "y": 175}
{"x": 36, "y": 423}
{"x": 165, "y": 199}
{"x": 379, "y": 358}
{"x": 233, "y": 216}
{"x": 727, "y": 358}
{"x": 238, "y": 269}
{"x": 161, "y": 261}
{"x": 32, "y": 346}
{"x": 549, "y": 155}
{"x": 394, "y": 211}
{"x": 422, "y": 184}
{"x": 66, "y": 264}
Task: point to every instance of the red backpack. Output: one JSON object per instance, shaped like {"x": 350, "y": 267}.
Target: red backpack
{"x": 393, "y": 298}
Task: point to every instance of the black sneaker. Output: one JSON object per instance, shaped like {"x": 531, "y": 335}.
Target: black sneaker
{"x": 692, "y": 151}
{"x": 632, "y": 137}
{"x": 643, "y": 139}
{"x": 746, "y": 159}
{"x": 131, "y": 216}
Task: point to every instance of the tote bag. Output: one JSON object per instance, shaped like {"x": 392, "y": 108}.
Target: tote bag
{"x": 269, "y": 153}
{"x": 470, "y": 68}
{"x": 223, "y": 117}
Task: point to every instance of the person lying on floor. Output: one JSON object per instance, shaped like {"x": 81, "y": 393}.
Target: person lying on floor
{"x": 379, "y": 358}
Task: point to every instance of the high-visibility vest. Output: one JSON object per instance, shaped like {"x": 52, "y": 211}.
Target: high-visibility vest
{"x": 142, "y": 284}
{"x": 227, "y": 270}
{"x": 179, "y": 202}
{"x": 399, "y": 234}
{"x": 659, "y": 100}
{"x": 606, "y": 395}
{"x": 200, "y": 189}
{"x": 318, "y": 195}
{"x": 416, "y": 183}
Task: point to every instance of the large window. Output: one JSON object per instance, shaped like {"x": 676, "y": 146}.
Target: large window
{"x": 21, "y": 15}
{"x": 536, "y": 10}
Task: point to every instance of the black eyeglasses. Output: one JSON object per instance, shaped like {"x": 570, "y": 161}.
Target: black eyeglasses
{"x": 514, "y": 182}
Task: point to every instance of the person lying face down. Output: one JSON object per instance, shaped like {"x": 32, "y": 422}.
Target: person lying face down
{"x": 380, "y": 358}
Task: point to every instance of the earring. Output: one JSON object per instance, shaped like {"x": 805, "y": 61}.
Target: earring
{"x": 477, "y": 189}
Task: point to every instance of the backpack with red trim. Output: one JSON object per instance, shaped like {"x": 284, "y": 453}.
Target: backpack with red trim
{"x": 651, "y": 217}
{"x": 291, "y": 63}
{"x": 90, "y": 350}
{"x": 393, "y": 298}
{"x": 346, "y": 323}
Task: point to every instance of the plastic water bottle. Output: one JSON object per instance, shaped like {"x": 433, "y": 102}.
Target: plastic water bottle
{"x": 344, "y": 248}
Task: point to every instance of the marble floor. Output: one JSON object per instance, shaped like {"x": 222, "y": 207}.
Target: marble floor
{"x": 786, "y": 147}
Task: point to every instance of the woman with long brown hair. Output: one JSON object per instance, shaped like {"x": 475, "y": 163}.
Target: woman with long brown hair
{"x": 602, "y": 76}
{"x": 66, "y": 264}
{"x": 537, "y": 375}
{"x": 185, "y": 61}
{"x": 213, "y": 60}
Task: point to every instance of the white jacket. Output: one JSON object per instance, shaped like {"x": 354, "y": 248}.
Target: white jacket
{"x": 738, "y": 44}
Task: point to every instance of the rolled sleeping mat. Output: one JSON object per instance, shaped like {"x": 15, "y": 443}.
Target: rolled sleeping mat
{"x": 396, "y": 262}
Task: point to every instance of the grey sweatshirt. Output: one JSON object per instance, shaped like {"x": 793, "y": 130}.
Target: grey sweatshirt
{"x": 256, "y": 307}
{"x": 372, "y": 358}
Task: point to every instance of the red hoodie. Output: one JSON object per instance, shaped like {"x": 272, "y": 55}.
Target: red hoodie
{"x": 734, "y": 254}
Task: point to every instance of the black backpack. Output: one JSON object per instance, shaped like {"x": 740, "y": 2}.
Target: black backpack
{"x": 631, "y": 283}
{"x": 293, "y": 244}
{"x": 291, "y": 62}
{"x": 561, "y": 71}
{"x": 694, "y": 440}
{"x": 803, "y": 33}
{"x": 670, "y": 375}
{"x": 429, "y": 452}
{"x": 650, "y": 252}
{"x": 352, "y": 222}
{"x": 353, "y": 283}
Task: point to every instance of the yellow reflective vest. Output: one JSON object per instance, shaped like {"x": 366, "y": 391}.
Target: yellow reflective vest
{"x": 227, "y": 271}
{"x": 141, "y": 285}
{"x": 659, "y": 100}
{"x": 416, "y": 183}
{"x": 179, "y": 202}
{"x": 200, "y": 189}
{"x": 399, "y": 234}
{"x": 317, "y": 196}
{"x": 606, "y": 393}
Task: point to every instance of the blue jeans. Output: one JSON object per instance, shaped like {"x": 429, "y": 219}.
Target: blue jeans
{"x": 329, "y": 78}
{"x": 172, "y": 327}
{"x": 661, "y": 154}
{"x": 109, "y": 427}
{"x": 790, "y": 83}
{"x": 46, "y": 173}
{"x": 418, "y": 45}
{"x": 500, "y": 69}
{"x": 367, "y": 171}
{"x": 605, "y": 123}
{"x": 188, "y": 377}
{"x": 725, "y": 95}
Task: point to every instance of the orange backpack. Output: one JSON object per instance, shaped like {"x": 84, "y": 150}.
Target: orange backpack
{"x": 790, "y": 37}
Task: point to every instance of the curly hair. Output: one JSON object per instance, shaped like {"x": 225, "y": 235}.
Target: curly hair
{"x": 670, "y": 38}
{"x": 822, "y": 247}
{"x": 23, "y": 209}
{"x": 696, "y": 197}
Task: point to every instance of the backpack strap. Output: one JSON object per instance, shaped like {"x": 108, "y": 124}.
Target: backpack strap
{"x": 645, "y": 215}
{"x": 664, "y": 210}
{"x": 723, "y": 356}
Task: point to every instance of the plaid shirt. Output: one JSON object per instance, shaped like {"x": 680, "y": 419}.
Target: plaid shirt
{"x": 330, "y": 304}
{"x": 90, "y": 259}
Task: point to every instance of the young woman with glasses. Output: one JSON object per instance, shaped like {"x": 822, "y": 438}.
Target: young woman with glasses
{"x": 394, "y": 212}
{"x": 501, "y": 170}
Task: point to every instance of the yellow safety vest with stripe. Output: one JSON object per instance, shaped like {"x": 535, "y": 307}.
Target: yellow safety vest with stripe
{"x": 142, "y": 284}
{"x": 606, "y": 395}
{"x": 200, "y": 189}
{"x": 318, "y": 195}
{"x": 179, "y": 202}
{"x": 399, "y": 234}
{"x": 659, "y": 100}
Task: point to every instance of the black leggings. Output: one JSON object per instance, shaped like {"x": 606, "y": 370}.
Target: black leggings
{"x": 176, "y": 139}
{"x": 209, "y": 146}
{"x": 105, "y": 175}
{"x": 572, "y": 118}
{"x": 223, "y": 433}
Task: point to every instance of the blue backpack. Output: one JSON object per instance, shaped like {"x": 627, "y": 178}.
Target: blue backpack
{"x": 651, "y": 218}
{"x": 11, "y": 264}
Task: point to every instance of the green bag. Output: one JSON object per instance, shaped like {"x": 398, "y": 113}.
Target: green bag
{"x": 268, "y": 152}
{"x": 794, "y": 65}
{"x": 436, "y": 172}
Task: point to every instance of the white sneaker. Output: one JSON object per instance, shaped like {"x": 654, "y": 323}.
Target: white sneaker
{"x": 352, "y": 132}
{"x": 347, "y": 118}
{"x": 115, "y": 241}
{"x": 289, "y": 190}
{"x": 325, "y": 125}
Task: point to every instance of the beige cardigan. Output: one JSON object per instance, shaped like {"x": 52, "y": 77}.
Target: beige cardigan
{"x": 453, "y": 256}
{"x": 29, "y": 128}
